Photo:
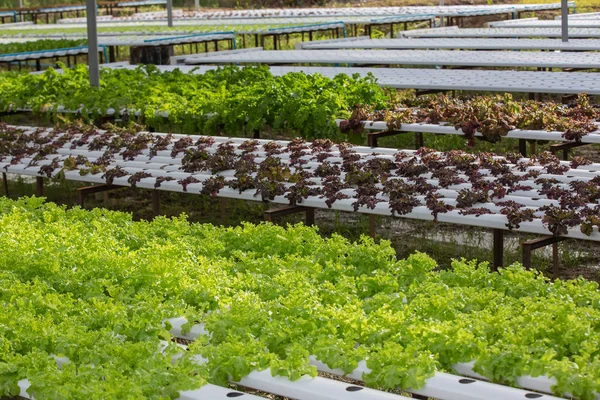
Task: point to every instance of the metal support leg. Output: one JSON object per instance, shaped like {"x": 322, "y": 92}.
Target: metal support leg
{"x": 84, "y": 191}
{"x": 5, "y": 183}
{"x": 418, "y": 140}
{"x": 276, "y": 213}
{"x": 532, "y": 148}
{"x": 223, "y": 210}
{"x": 155, "y": 203}
{"x": 309, "y": 217}
{"x": 528, "y": 246}
{"x": 498, "y": 249}
{"x": 555, "y": 259}
{"x": 523, "y": 147}
{"x": 565, "y": 147}
{"x": 373, "y": 136}
{"x": 39, "y": 186}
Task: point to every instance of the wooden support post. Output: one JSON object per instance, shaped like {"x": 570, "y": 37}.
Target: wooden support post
{"x": 39, "y": 186}
{"x": 498, "y": 249}
{"x": 155, "y": 203}
{"x": 5, "y": 183}
{"x": 528, "y": 246}
{"x": 276, "y": 213}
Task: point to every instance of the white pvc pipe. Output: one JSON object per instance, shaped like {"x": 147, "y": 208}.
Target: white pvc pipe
{"x": 441, "y": 385}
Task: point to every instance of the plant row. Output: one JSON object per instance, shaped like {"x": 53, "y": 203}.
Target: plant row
{"x": 95, "y": 287}
{"x": 241, "y": 100}
{"x": 37, "y": 45}
{"x": 557, "y": 194}
{"x": 141, "y": 28}
{"x": 492, "y": 116}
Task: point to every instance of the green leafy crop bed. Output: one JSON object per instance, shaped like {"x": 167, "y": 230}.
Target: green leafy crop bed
{"x": 241, "y": 99}
{"x": 95, "y": 286}
{"x": 44, "y": 44}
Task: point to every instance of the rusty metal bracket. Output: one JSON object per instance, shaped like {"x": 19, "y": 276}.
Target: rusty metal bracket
{"x": 276, "y": 213}
{"x": 528, "y": 246}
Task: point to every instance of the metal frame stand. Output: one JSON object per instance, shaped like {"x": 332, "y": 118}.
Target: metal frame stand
{"x": 565, "y": 147}
{"x": 155, "y": 203}
{"x": 84, "y": 191}
{"x": 39, "y": 186}
{"x": 372, "y": 225}
{"x": 523, "y": 147}
{"x": 372, "y": 137}
{"x": 498, "y": 249}
{"x": 276, "y": 213}
{"x": 223, "y": 202}
{"x": 528, "y": 246}
{"x": 5, "y": 183}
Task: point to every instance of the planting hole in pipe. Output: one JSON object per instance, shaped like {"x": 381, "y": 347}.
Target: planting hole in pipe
{"x": 534, "y": 395}
{"x": 234, "y": 394}
{"x": 354, "y": 388}
{"x": 466, "y": 381}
